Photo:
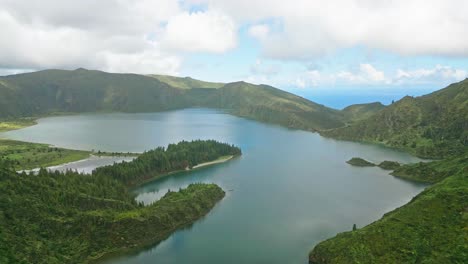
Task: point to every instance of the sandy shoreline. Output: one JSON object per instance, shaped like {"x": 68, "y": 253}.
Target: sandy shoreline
{"x": 221, "y": 160}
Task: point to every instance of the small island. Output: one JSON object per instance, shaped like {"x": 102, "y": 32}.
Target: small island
{"x": 389, "y": 165}
{"x": 360, "y": 162}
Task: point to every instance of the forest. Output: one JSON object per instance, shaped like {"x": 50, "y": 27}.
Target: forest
{"x": 161, "y": 161}
{"x": 53, "y": 217}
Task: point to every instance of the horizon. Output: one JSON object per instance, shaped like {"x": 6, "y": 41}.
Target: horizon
{"x": 337, "y": 99}
{"x": 305, "y": 47}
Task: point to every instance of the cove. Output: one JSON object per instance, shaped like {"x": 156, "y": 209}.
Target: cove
{"x": 288, "y": 191}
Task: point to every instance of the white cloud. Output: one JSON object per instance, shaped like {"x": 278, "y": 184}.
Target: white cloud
{"x": 209, "y": 31}
{"x": 261, "y": 68}
{"x": 424, "y": 75}
{"x": 311, "y": 28}
{"x": 367, "y": 74}
{"x": 142, "y": 36}
{"x": 259, "y": 31}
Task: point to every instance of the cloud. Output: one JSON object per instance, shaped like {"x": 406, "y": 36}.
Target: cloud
{"x": 207, "y": 31}
{"x": 310, "y": 28}
{"x": 367, "y": 74}
{"x": 259, "y": 31}
{"x": 435, "y": 74}
{"x": 260, "y": 68}
{"x": 142, "y": 36}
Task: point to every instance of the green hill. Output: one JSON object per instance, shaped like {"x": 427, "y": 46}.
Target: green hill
{"x": 70, "y": 218}
{"x": 361, "y": 111}
{"x": 186, "y": 82}
{"x": 268, "y": 104}
{"x": 432, "y": 228}
{"x": 49, "y": 91}
{"x": 432, "y": 126}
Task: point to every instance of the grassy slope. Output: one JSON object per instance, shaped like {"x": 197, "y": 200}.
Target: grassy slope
{"x": 361, "y": 111}
{"x": 432, "y": 228}
{"x": 431, "y": 172}
{"x": 186, "y": 82}
{"x": 15, "y": 124}
{"x": 49, "y": 91}
{"x": 84, "y": 91}
{"x": 431, "y": 126}
{"x": 26, "y": 155}
{"x": 57, "y": 218}
{"x": 268, "y": 104}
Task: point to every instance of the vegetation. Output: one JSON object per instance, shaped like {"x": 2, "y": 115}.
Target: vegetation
{"x": 8, "y": 125}
{"x": 389, "y": 165}
{"x": 24, "y": 155}
{"x": 430, "y": 126}
{"x": 432, "y": 228}
{"x": 360, "y": 162}
{"x": 361, "y": 111}
{"x": 431, "y": 172}
{"x": 55, "y": 217}
{"x": 52, "y": 91}
{"x": 268, "y": 104}
{"x": 158, "y": 162}
{"x": 186, "y": 82}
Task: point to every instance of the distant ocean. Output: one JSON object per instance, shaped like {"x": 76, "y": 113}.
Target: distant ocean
{"x": 341, "y": 99}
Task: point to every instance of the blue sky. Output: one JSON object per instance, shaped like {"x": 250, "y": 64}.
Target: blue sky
{"x": 356, "y": 50}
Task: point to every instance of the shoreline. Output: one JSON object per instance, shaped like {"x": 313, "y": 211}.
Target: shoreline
{"x": 221, "y": 159}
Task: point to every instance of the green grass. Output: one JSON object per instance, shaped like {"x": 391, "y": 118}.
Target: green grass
{"x": 186, "y": 82}
{"x": 429, "y": 126}
{"x": 16, "y": 124}
{"x": 431, "y": 172}
{"x": 26, "y": 155}
{"x": 432, "y": 228}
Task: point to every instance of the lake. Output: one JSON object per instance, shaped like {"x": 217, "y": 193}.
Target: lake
{"x": 288, "y": 191}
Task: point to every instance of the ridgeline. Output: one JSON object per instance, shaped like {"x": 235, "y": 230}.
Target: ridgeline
{"x": 61, "y": 91}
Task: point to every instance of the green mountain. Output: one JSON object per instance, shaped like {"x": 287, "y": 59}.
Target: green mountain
{"x": 49, "y": 91}
{"x": 361, "y": 111}
{"x": 268, "y": 104}
{"x": 431, "y": 126}
{"x": 431, "y": 228}
{"x": 186, "y": 82}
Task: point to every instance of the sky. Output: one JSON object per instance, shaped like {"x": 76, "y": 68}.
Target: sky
{"x": 360, "y": 50}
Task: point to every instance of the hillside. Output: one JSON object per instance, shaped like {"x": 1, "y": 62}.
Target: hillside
{"x": 49, "y": 91}
{"x": 268, "y": 104}
{"x": 361, "y": 111}
{"x": 186, "y": 82}
{"x": 55, "y": 217}
{"x": 69, "y": 218}
{"x": 432, "y": 228}
{"x": 431, "y": 126}
{"x": 84, "y": 91}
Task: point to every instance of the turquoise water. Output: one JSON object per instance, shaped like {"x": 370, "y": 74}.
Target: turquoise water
{"x": 289, "y": 190}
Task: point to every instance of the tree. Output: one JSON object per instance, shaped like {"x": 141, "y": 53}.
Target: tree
{"x": 354, "y": 227}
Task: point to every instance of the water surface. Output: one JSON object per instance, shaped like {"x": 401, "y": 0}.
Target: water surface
{"x": 289, "y": 190}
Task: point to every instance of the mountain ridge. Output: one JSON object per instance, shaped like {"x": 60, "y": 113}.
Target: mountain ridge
{"x": 81, "y": 90}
